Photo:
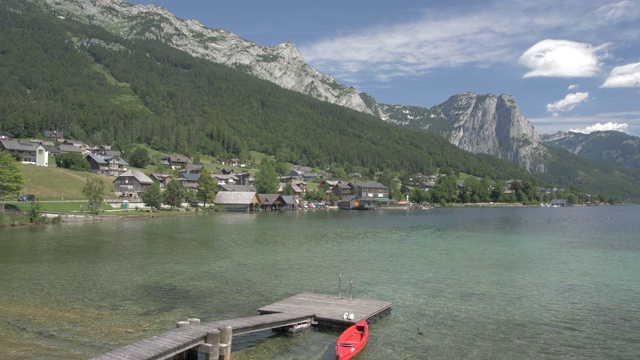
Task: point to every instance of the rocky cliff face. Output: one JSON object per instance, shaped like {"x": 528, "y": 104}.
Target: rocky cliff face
{"x": 479, "y": 124}
{"x": 492, "y": 125}
{"x": 282, "y": 64}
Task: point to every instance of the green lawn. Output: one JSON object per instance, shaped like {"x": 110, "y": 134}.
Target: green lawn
{"x": 53, "y": 183}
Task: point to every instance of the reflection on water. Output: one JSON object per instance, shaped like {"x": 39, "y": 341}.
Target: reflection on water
{"x": 479, "y": 283}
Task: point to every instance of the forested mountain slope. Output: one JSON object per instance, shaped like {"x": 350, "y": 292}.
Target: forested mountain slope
{"x": 101, "y": 88}
{"x": 613, "y": 147}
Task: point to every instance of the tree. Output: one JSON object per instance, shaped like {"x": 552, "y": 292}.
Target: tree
{"x": 173, "y": 194}
{"x": 92, "y": 190}
{"x": 266, "y": 181}
{"x": 207, "y": 188}
{"x": 72, "y": 161}
{"x": 139, "y": 157}
{"x": 11, "y": 180}
{"x": 152, "y": 197}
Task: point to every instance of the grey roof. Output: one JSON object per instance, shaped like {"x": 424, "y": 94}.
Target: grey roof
{"x": 234, "y": 197}
{"x": 224, "y": 176}
{"x": 105, "y": 159}
{"x": 97, "y": 158}
{"x": 14, "y": 145}
{"x": 69, "y": 149}
{"x": 189, "y": 177}
{"x": 139, "y": 175}
{"x": 288, "y": 199}
{"x": 369, "y": 185}
{"x": 229, "y": 187}
{"x": 268, "y": 198}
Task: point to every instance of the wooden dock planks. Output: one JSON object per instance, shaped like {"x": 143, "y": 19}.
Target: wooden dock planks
{"x": 330, "y": 310}
{"x": 298, "y": 309}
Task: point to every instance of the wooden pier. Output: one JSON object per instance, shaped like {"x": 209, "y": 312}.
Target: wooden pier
{"x": 330, "y": 310}
{"x": 213, "y": 340}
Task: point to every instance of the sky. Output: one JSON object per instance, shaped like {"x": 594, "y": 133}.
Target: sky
{"x": 570, "y": 65}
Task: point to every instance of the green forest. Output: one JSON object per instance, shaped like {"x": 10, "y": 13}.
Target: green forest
{"x": 97, "y": 87}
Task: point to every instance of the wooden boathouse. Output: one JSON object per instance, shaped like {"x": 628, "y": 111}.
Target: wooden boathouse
{"x": 212, "y": 340}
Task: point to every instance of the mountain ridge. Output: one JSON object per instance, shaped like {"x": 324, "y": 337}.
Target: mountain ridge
{"x": 284, "y": 65}
{"x": 613, "y": 147}
{"x": 99, "y": 86}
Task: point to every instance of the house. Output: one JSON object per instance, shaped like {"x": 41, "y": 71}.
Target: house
{"x": 426, "y": 185}
{"x": 24, "y": 152}
{"x": 371, "y": 190}
{"x": 221, "y": 179}
{"x": 303, "y": 172}
{"x": 243, "y": 178}
{"x": 5, "y": 136}
{"x": 187, "y": 180}
{"x": 79, "y": 144}
{"x": 193, "y": 169}
{"x": 298, "y": 187}
{"x": 271, "y": 202}
{"x": 176, "y": 162}
{"x": 66, "y": 148}
{"x": 350, "y": 202}
{"x": 131, "y": 183}
{"x": 42, "y": 156}
{"x": 54, "y": 136}
{"x": 342, "y": 190}
{"x": 291, "y": 202}
{"x": 106, "y": 150}
{"x": 237, "y": 200}
{"x": 163, "y": 179}
{"x": 327, "y": 184}
{"x": 107, "y": 165}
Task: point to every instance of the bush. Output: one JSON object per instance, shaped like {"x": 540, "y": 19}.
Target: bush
{"x": 73, "y": 161}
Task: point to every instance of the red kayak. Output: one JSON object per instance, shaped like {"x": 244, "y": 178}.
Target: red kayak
{"x": 352, "y": 340}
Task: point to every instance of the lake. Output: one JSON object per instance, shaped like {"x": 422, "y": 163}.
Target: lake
{"x": 490, "y": 283}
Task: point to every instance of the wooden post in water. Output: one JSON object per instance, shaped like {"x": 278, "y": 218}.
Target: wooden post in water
{"x": 225, "y": 343}
{"x": 339, "y": 283}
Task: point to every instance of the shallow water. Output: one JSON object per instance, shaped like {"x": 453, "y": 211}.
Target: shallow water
{"x": 497, "y": 283}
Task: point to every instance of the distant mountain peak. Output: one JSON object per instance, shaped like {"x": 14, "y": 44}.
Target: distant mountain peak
{"x": 478, "y": 123}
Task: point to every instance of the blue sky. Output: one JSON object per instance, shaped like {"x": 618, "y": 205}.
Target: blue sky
{"x": 571, "y": 65}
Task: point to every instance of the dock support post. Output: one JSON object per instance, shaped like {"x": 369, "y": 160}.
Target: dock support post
{"x": 225, "y": 343}
{"x": 182, "y": 355}
{"x": 210, "y": 350}
{"x": 350, "y": 294}
{"x": 339, "y": 284}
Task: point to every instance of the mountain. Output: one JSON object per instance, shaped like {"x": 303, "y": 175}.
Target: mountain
{"x": 282, "y": 65}
{"x": 102, "y": 88}
{"x": 103, "y": 85}
{"x": 479, "y": 124}
{"x": 613, "y": 147}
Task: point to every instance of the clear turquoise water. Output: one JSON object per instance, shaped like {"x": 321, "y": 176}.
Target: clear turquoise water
{"x": 499, "y": 283}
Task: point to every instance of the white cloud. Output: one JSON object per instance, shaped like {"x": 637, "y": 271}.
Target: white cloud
{"x": 602, "y": 127}
{"x": 561, "y": 58}
{"x": 618, "y": 12}
{"x": 568, "y": 103}
{"x": 483, "y": 36}
{"x": 438, "y": 37}
{"x": 623, "y": 76}
{"x": 573, "y": 86}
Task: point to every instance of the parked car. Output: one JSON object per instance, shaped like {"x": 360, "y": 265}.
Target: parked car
{"x": 27, "y": 198}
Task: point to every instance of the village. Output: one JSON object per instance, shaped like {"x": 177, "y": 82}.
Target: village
{"x": 235, "y": 188}
{"x": 236, "y": 191}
